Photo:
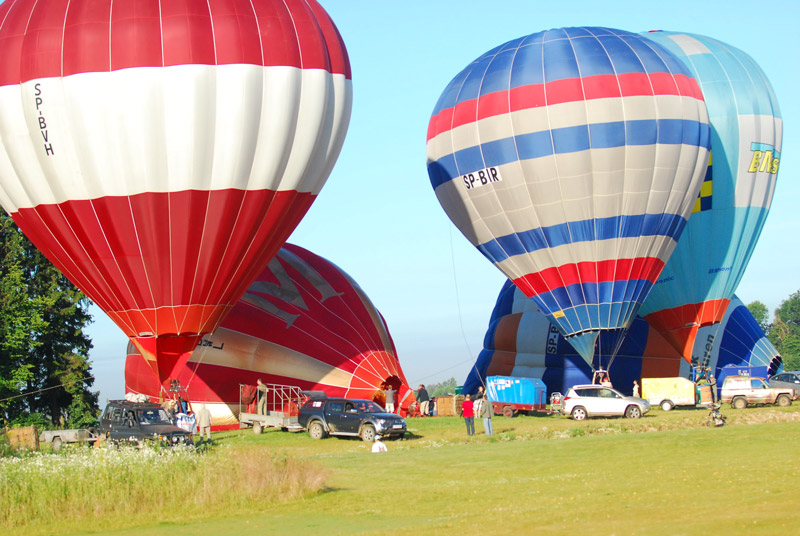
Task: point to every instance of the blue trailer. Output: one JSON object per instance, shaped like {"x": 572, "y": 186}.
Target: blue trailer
{"x": 510, "y": 395}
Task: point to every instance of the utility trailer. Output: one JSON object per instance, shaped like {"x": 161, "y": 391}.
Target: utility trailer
{"x": 511, "y": 395}
{"x": 57, "y": 438}
{"x": 676, "y": 392}
{"x": 281, "y": 407}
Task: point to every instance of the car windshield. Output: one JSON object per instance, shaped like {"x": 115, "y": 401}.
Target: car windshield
{"x": 366, "y": 406}
{"x": 154, "y": 416}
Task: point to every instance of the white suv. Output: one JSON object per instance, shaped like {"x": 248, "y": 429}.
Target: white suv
{"x": 584, "y": 401}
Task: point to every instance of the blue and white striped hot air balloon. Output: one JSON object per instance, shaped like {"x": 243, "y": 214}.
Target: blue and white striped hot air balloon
{"x": 571, "y": 158}
{"x": 521, "y": 342}
{"x": 703, "y": 272}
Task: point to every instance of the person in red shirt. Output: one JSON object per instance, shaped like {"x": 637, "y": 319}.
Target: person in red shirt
{"x": 468, "y": 412}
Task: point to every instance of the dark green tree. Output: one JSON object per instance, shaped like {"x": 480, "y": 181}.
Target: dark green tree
{"x": 785, "y": 331}
{"x": 43, "y": 348}
{"x": 760, "y": 313}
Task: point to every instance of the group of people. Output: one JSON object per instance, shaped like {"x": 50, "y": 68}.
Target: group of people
{"x": 479, "y": 405}
{"x": 190, "y": 421}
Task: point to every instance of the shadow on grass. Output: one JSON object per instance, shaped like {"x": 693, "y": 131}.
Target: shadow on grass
{"x": 331, "y": 489}
{"x": 409, "y": 436}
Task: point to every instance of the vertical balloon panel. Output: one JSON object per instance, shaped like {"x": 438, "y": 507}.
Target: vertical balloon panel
{"x": 159, "y": 154}
{"x": 746, "y": 137}
{"x": 571, "y": 158}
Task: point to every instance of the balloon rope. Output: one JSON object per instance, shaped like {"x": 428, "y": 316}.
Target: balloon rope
{"x": 617, "y": 346}
{"x": 455, "y": 284}
{"x": 458, "y": 305}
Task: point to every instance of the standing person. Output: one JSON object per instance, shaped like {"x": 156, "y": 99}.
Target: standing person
{"x": 478, "y": 400}
{"x": 262, "y": 397}
{"x": 713, "y": 382}
{"x": 204, "y": 422}
{"x": 389, "y": 393}
{"x": 486, "y": 414}
{"x": 635, "y": 388}
{"x": 423, "y": 399}
{"x": 378, "y": 445}
{"x": 467, "y": 411}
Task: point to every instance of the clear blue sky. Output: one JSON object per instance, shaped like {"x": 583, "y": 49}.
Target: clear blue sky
{"x": 377, "y": 217}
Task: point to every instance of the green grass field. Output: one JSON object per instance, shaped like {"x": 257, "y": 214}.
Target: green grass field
{"x": 663, "y": 474}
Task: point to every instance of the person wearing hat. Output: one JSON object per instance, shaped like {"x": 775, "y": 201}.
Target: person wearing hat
{"x": 378, "y": 445}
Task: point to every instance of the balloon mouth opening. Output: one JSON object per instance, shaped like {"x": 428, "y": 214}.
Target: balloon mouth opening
{"x": 166, "y": 354}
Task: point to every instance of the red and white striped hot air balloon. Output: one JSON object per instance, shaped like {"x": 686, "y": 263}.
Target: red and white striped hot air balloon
{"x": 160, "y": 153}
{"x": 303, "y": 322}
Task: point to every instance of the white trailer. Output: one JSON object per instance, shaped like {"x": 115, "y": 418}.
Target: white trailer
{"x": 57, "y": 438}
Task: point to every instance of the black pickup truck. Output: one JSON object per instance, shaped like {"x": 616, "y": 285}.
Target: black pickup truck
{"x": 349, "y": 417}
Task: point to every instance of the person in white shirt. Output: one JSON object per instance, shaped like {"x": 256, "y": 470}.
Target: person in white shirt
{"x": 379, "y": 445}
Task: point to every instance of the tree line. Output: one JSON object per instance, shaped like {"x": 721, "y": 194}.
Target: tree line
{"x": 784, "y": 329}
{"x": 45, "y": 375}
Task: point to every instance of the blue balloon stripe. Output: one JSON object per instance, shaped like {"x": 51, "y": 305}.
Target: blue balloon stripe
{"x": 628, "y": 226}
{"x": 616, "y": 294}
{"x": 567, "y": 140}
{"x": 561, "y": 54}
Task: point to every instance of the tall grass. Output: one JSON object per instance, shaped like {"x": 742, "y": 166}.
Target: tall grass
{"x": 86, "y": 484}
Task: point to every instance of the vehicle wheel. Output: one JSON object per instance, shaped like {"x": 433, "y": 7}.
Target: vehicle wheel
{"x": 316, "y": 430}
{"x": 56, "y": 446}
{"x": 783, "y": 401}
{"x": 633, "y": 412}
{"x": 368, "y": 433}
{"x": 666, "y": 405}
{"x": 579, "y": 413}
{"x": 257, "y": 429}
{"x": 508, "y": 411}
{"x": 739, "y": 403}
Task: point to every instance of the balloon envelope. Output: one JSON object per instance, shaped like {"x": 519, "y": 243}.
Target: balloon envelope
{"x": 303, "y": 322}
{"x": 160, "y": 153}
{"x": 571, "y": 159}
{"x": 703, "y": 272}
{"x": 520, "y": 342}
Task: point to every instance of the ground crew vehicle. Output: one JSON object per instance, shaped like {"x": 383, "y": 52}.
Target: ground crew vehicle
{"x": 742, "y": 391}
{"x": 349, "y": 417}
{"x": 125, "y": 422}
{"x": 582, "y": 401}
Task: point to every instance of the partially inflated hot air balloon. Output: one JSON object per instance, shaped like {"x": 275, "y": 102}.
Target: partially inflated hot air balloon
{"x": 737, "y": 345}
{"x": 746, "y": 134}
{"x": 303, "y": 322}
{"x": 521, "y": 342}
{"x": 571, "y": 159}
{"x": 160, "y": 153}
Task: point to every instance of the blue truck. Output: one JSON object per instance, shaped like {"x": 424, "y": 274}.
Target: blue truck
{"x": 511, "y": 395}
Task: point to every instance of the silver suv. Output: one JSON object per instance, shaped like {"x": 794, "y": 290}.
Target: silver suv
{"x": 584, "y": 401}
{"x": 787, "y": 378}
{"x": 741, "y": 391}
